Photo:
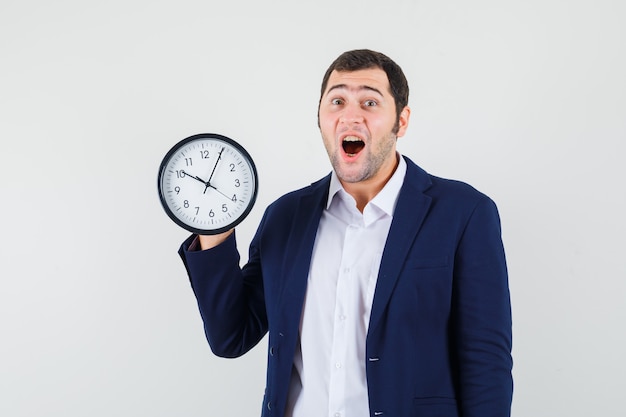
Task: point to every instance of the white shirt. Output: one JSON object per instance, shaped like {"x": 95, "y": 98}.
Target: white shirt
{"x": 329, "y": 377}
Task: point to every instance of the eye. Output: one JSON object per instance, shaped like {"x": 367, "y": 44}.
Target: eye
{"x": 370, "y": 103}
{"x": 336, "y": 101}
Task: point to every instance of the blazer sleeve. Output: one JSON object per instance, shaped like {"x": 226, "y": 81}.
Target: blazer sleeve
{"x": 230, "y": 299}
{"x": 482, "y": 316}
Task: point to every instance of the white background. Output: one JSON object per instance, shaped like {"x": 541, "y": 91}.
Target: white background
{"x": 525, "y": 100}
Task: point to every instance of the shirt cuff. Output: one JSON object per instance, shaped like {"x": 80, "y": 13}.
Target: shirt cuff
{"x": 194, "y": 245}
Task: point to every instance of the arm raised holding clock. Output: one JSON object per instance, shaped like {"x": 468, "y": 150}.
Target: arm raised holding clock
{"x": 230, "y": 298}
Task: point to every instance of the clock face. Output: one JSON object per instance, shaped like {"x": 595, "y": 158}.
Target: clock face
{"x": 207, "y": 183}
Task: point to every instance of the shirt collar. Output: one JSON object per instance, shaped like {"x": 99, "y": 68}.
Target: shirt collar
{"x": 387, "y": 197}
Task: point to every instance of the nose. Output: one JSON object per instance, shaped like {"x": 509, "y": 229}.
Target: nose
{"x": 351, "y": 114}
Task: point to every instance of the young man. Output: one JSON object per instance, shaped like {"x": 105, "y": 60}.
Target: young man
{"x": 384, "y": 289}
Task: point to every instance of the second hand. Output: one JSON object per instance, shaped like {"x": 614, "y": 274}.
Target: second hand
{"x": 219, "y": 191}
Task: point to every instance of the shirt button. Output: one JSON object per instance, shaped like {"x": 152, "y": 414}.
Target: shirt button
{"x": 337, "y": 365}
{"x": 337, "y": 414}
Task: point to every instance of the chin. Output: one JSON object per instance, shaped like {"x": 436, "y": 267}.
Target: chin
{"x": 351, "y": 176}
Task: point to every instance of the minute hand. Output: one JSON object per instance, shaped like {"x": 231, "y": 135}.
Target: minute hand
{"x": 215, "y": 166}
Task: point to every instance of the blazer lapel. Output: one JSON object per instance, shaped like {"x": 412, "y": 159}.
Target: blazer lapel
{"x": 297, "y": 258}
{"x": 410, "y": 211}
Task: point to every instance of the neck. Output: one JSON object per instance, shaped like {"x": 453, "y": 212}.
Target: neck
{"x": 364, "y": 191}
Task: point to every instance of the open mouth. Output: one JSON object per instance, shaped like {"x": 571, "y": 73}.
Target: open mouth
{"x": 352, "y": 145}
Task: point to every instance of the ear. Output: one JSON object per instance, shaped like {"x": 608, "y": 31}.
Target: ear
{"x": 403, "y": 121}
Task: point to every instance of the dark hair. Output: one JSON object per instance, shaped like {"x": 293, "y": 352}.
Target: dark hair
{"x": 360, "y": 59}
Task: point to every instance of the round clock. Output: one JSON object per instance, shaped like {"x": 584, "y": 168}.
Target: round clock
{"x": 207, "y": 183}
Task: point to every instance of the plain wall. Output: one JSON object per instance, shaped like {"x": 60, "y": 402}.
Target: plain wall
{"x": 525, "y": 100}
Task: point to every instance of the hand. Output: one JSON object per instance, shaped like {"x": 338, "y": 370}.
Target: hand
{"x": 211, "y": 241}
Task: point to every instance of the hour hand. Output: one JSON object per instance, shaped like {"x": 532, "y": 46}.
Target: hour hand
{"x": 195, "y": 178}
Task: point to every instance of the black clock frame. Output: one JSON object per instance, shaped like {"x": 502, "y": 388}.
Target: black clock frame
{"x": 174, "y": 150}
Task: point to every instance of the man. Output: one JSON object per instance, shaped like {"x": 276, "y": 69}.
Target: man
{"x": 383, "y": 288}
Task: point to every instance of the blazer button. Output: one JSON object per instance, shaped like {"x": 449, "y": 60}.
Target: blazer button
{"x": 269, "y": 405}
{"x": 272, "y": 351}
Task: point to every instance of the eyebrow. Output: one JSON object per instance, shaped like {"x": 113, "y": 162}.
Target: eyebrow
{"x": 361, "y": 87}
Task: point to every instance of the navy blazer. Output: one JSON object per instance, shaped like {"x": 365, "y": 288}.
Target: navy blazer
{"x": 439, "y": 338}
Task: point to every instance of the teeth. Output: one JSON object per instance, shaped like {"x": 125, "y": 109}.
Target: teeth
{"x": 352, "y": 139}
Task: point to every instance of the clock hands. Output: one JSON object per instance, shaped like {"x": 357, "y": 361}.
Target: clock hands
{"x": 207, "y": 184}
{"x": 215, "y": 166}
{"x": 195, "y": 177}
{"x": 186, "y": 174}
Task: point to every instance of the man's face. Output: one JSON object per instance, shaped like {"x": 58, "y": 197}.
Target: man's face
{"x": 357, "y": 116}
